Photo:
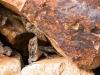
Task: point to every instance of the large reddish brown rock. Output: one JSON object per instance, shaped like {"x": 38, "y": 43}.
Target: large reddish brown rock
{"x": 70, "y": 25}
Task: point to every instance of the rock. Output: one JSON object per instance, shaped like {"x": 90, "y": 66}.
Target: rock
{"x": 11, "y": 65}
{"x": 14, "y": 5}
{"x": 69, "y": 25}
{"x": 5, "y": 50}
{"x": 8, "y": 51}
{"x": 55, "y": 66}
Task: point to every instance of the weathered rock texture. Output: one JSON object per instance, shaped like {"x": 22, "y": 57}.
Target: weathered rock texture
{"x": 56, "y": 66}
{"x": 70, "y": 25}
{"x": 11, "y": 65}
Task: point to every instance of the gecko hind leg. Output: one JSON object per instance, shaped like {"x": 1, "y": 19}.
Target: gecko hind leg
{"x": 48, "y": 49}
{"x": 57, "y": 53}
{"x": 46, "y": 55}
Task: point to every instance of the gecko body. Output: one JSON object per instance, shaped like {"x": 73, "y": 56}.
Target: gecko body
{"x": 36, "y": 51}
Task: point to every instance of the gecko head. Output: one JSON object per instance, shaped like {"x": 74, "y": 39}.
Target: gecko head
{"x": 34, "y": 52}
{"x": 33, "y": 45}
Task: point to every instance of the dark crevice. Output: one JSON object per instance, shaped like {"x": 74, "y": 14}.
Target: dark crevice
{"x": 95, "y": 30}
{"x": 97, "y": 71}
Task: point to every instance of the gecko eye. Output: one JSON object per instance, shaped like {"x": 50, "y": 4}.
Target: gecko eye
{"x": 40, "y": 36}
{"x": 31, "y": 44}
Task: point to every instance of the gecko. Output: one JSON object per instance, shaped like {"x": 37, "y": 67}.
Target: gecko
{"x": 36, "y": 51}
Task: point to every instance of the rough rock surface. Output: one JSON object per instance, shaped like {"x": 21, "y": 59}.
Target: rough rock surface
{"x": 56, "y": 66}
{"x": 70, "y": 25}
{"x": 11, "y": 65}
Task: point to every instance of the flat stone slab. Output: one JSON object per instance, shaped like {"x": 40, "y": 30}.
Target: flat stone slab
{"x": 10, "y": 65}
{"x": 54, "y": 66}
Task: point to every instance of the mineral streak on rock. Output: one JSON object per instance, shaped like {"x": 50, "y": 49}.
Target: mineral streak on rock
{"x": 71, "y": 24}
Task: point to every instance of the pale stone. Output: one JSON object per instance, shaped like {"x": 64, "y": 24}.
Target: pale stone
{"x": 15, "y": 5}
{"x": 54, "y": 66}
{"x": 10, "y": 65}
